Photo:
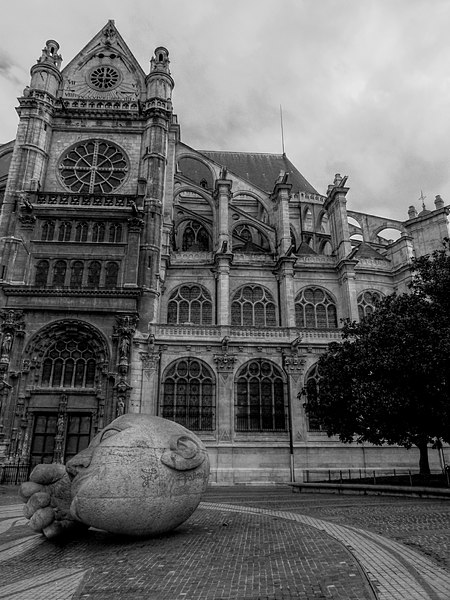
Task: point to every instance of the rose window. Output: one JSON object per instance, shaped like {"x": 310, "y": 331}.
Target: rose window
{"x": 104, "y": 78}
{"x": 93, "y": 167}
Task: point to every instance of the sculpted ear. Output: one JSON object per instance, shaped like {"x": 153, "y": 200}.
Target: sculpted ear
{"x": 183, "y": 454}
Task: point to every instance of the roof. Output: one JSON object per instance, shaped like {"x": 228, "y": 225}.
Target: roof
{"x": 363, "y": 250}
{"x": 261, "y": 169}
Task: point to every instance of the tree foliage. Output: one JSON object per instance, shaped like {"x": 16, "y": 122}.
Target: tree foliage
{"x": 388, "y": 381}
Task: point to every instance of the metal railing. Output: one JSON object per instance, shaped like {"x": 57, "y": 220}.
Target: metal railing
{"x": 401, "y": 476}
{"x": 14, "y": 474}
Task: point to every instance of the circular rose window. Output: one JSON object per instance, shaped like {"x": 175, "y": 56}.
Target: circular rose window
{"x": 93, "y": 167}
{"x": 104, "y": 78}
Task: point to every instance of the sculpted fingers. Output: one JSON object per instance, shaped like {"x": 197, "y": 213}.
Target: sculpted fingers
{"x": 29, "y": 488}
{"x": 42, "y": 518}
{"x": 47, "y": 474}
{"x": 37, "y": 501}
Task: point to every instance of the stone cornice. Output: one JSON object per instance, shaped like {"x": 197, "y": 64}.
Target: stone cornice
{"x": 12, "y": 290}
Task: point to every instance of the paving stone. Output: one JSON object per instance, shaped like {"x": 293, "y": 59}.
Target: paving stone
{"x": 244, "y": 544}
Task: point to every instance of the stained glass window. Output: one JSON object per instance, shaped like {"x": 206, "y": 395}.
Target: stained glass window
{"x": 189, "y": 395}
{"x": 48, "y": 231}
{"x": 93, "y": 167}
{"x": 253, "y": 305}
{"x": 69, "y": 363}
{"x": 59, "y": 273}
{"x": 98, "y": 232}
{"x": 190, "y": 303}
{"x": 76, "y": 276}
{"x": 260, "y": 401}
{"x": 112, "y": 272}
{"x": 94, "y": 271}
{"x": 41, "y": 273}
{"x": 195, "y": 238}
{"x": 315, "y": 309}
{"x": 311, "y": 389}
{"x": 367, "y": 302}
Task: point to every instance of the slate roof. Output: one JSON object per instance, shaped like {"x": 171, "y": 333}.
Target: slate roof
{"x": 261, "y": 170}
{"x": 363, "y": 250}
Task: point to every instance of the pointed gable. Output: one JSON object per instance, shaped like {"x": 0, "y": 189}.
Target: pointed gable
{"x": 104, "y": 69}
{"x": 364, "y": 250}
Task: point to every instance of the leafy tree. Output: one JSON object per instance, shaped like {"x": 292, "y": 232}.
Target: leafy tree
{"x": 389, "y": 380}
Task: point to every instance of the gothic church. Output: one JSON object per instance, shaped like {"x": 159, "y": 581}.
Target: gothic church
{"x": 139, "y": 274}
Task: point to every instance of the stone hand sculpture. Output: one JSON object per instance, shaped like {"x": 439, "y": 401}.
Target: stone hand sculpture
{"x": 139, "y": 476}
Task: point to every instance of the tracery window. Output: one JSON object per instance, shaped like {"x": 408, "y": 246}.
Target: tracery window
{"x": 112, "y": 272}
{"x": 69, "y": 363}
{"x": 41, "y": 273}
{"x": 190, "y": 303}
{"x": 94, "y": 271}
{"x": 367, "y": 302}
{"x": 59, "y": 273}
{"x": 48, "y": 231}
{"x": 65, "y": 230}
{"x": 76, "y": 276}
{"x": 93, "y": 167}
{"x": 115, "y": 232}
{"x": 189, "y": 395}
{"x": 81, "y": 232}
{"x": 195, "y": 238}
{"x": 98, "y": 232}
{"x": 315, "y": 309}
{"x": 249, "y": 239}
{"x": 260, "y": 400}
{"x": 253, "y": 305}
{"x": 311, "y": 390}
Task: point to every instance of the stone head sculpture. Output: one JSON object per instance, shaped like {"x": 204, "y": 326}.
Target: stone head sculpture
{"x": 140, "y": 476}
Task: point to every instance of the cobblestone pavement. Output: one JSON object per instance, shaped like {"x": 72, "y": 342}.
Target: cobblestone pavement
{"x": 244, "y": 544}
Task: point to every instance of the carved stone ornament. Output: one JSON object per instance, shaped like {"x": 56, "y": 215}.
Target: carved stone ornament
{"x": 135, "y": 224}
{"x": 150, "y": 360}
{"x": 126, "y": 325}
{"x": 225, "y": 362}
{"x": 13, "y": 322}
{"x": 122, "y": 386}
{"x": 294, "y": 364}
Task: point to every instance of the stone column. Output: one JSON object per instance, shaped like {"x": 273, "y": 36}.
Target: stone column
{"x": 225, "y": 362}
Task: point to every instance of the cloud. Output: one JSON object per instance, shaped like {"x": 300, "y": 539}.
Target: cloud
{"x": 364, "y": 84}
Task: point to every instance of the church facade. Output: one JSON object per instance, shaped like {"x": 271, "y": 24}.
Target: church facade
{"x": 141, "y": 275}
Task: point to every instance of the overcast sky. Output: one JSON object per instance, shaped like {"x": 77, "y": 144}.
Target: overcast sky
{"x": 364, "y": 84}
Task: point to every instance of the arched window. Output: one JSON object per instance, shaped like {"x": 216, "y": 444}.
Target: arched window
{"x": 98, "y": 232}
{"x": 324, "y": 226}
{"x": 252, "y": 305}
{"x": 81, "y": 232}
{"x": 76, "y": 276}
{"x": 195, "y": 238}
{"x": 59, "y": 273}
{"x": 115, "y": 232}
{"x": 94, "y": 271}
{"x": 190, "y": 303}
{"x": 308, "y": 223}
{"x": 69, "y": 363}
{"x": 367, "y": 302}
{"x": 189, "y": 395}
{"x": 249, "y": 239}
{"x": 41, "y": 273}
{"x": 315, "y": 309}
{"x": 65, "y": 229}
{"x": 311, "y": 390}
{"x": 326, "y": 249}
{"x": 260, "y": 399}
{"x": 48, "y": 231}
{"x": 112, "y": 272}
